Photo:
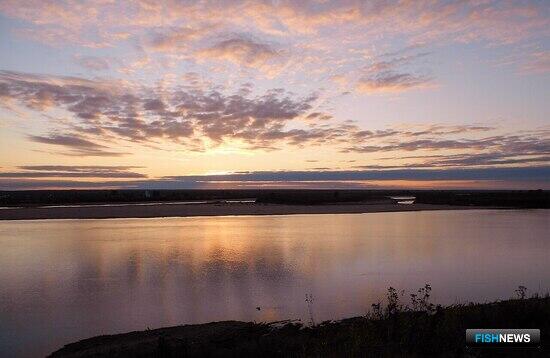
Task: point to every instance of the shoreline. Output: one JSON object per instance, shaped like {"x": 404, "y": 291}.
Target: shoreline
{"x": 430, "y": 330}
{"x": 227, "y": 209}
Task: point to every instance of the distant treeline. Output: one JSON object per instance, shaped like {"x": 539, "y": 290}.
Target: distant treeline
{"x": 312, "y": 197}
{"x": 517, "y": 199}
{"x": 59, "y": 197}
{"x": 521, "y": 199}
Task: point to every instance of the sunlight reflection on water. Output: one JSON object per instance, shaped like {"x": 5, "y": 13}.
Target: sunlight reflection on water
{"x": 64, "y": 280}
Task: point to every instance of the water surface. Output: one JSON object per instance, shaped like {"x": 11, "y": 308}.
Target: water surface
{"x": 64, "y": 280}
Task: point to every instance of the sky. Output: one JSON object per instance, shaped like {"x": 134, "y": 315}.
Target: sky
{"x": 274, "y": 94}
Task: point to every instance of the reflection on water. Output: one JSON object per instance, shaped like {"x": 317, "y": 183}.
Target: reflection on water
{"x": 63, "y": 280}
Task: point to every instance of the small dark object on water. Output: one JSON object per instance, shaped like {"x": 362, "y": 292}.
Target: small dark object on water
{"x": 258, "y": 308}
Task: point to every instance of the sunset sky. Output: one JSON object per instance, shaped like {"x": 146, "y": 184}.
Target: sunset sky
{"x": 300, "y": 94}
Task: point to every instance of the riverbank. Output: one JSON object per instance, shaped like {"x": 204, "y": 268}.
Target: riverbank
{"x": 218, "y": 209}
{"x": 393, "y": 331}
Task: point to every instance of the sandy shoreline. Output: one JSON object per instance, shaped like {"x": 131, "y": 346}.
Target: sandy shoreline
{"x": 186, "y": 210}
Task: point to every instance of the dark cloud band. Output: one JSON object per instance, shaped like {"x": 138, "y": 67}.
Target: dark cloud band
{"x": 505, "y": 178}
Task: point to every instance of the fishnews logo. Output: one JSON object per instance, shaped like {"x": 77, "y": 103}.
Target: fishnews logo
{"x": 503, "y": 338}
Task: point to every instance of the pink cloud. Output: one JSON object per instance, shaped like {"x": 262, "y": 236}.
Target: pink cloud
{"x": 538, "y": 62}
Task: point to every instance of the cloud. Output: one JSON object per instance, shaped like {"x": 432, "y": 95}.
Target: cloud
{"x": 430, "y": 130}
{"x": 404, "y": 178}
{"x": 464, "y": 160}
{"x": 243, "y": 52}
{"x": 185, "y": 29}
{"x": 503, "y": 21}
{"x": 102, "y": 108}
{"x": 393, "y": 82}
{"x": 174, "y": 39}
{"x": 319, "y": 116}
{"x": 537, "y": 63}
{"x": 103, "y": 114}
{"x": 78, "y": 146}
{"x": 485, "y": 159}
{"x": 517, "y": 173}
{"x": 392, "y": 74}
{"x": 510, "y": 143}
{"x": 69, "y": 141}
{"x": 93, "y": 63}
{"x": 68, "y": 171}
{"x": 106, "y": 112}
{"x": 78, "y": 168}
{"x": 429, "y": 144}
{"x": 437, "y": 129}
